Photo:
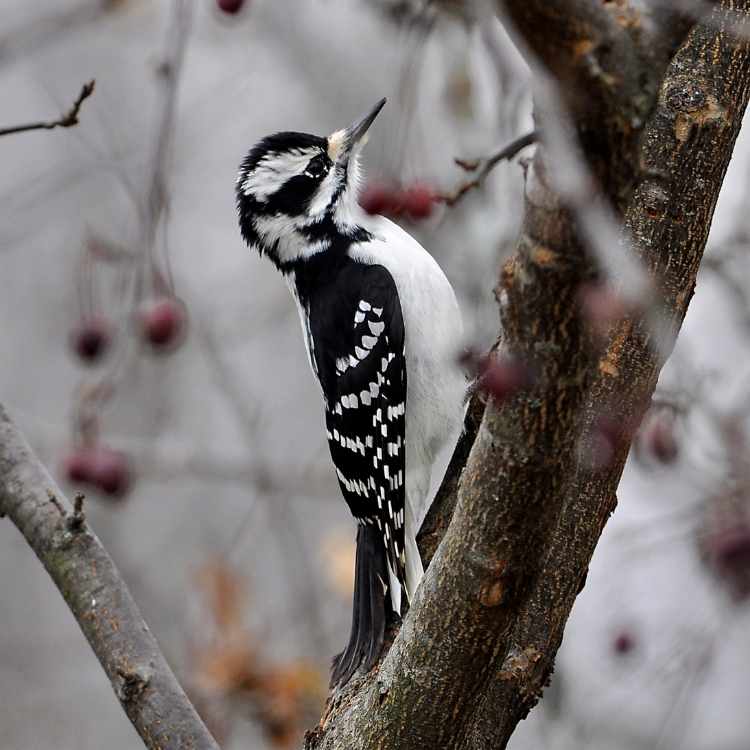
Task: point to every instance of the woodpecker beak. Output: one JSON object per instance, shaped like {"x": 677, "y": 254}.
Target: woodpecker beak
{"x": 342, "y": 142}
{"x": 355, "y": 133}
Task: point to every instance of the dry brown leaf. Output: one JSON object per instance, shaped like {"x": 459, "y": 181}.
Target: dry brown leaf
{"x": 338, "y": 552}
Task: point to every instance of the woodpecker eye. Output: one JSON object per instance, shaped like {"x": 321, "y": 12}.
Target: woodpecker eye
{"x": 317, "y": 167}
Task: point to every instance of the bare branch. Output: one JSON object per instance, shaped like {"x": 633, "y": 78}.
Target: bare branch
{"x": 98, "y": 598}
{"x": 67, "y": 120}
{"x": 485, "y": 166}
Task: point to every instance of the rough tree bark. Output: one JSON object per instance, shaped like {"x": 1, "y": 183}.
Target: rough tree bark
{"x": 687, "y": 146}
{"x": 98, "y": 598}
{"x": 478, "y": 645}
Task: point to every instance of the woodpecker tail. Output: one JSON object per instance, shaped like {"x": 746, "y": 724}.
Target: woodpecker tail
{"x": 371, "y": 609}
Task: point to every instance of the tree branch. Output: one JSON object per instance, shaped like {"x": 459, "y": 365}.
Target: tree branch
{"x": 485, "y": 166}
{"x": 98, "y": 598}
{"x": 66, "y": 120}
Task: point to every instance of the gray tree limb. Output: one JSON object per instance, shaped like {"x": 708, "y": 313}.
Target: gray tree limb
{"x": 98, "y": 599}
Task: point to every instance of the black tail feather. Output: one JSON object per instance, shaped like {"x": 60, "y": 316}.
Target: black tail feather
{"x": 371, "y": 607}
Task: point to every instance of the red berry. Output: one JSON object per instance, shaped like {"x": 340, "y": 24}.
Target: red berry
{"x": 102, "y": 467}
{"x": 732, "y": 548}
{"x": 110, "y": 471}
{"x": 499, "y": 377}
{"x": 381, "y": 198}
{"x": 230, "y": 6}
{"x": 623, "y": 643}
{"x": 503, "y": 378}
{"x": 77, "y": 466}
{"x": 726, "y": 550}
{"x": 163, "y": 322}
{"x": 91, "y": 338}
{"x": 418, "y": 201}
{"x": 657, "y": 438}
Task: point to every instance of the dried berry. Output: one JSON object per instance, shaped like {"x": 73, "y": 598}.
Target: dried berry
{"x": 623, "y": 643}
{"x": 91, "y": 339}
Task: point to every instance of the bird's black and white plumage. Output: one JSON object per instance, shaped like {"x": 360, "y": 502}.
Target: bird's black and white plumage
{"x": 381, "y": 327}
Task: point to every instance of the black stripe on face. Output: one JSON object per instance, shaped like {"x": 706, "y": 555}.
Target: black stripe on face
{"x": 294, "y": 196}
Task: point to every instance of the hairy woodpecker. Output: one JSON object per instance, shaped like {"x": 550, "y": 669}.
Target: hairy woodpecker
{"x": 381, "y": 326}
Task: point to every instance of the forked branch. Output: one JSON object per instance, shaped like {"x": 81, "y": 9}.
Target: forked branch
{"x": 67, "y": 120}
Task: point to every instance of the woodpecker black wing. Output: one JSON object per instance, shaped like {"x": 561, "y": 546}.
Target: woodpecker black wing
{"x": 358, "y": 340}
{"x": 357, "y": 344}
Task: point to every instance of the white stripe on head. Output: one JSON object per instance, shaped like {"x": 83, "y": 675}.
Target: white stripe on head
{"x": 275, "y": 169}
{"x": 325, "y": 192}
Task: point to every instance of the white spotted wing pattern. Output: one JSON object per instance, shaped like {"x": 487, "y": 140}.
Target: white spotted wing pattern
{"x": 364, "y": 384}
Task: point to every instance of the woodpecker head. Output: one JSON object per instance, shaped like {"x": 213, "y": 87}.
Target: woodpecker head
{"x": 296, "y": 192}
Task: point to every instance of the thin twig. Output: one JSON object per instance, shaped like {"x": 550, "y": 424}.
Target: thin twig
{"x": 485, "y": 166}
{"x": 67, "y": 120}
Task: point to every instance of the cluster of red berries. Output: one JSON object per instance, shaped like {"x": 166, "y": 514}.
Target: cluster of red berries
{"x": 161, "y": 323}
{"x": 416, "y": 201}
{"x": 100, "y": 467}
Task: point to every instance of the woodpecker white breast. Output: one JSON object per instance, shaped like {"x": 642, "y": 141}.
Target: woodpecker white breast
{"x": 381, "y": 326}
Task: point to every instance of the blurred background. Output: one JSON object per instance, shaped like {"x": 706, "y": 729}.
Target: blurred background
{"x": 156, "y": 364}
